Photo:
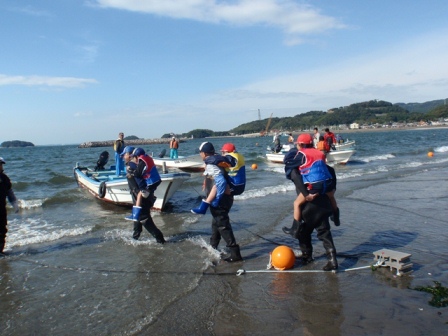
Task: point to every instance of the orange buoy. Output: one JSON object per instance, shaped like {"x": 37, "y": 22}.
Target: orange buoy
{"x": 282, "y": 257}
{"x": 430, "y": 154}
{"x": 254, "y": 166}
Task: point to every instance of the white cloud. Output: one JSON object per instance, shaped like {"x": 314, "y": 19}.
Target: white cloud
{"x": 414, "y": 70}
{"x": 292, "y": 18}
{"x": 61, "y": 82}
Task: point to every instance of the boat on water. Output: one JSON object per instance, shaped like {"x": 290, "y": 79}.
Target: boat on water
{"x": 339, "y": 156}
{"x": 108, "y": 187}
{"x": 189, "y": 164}
{"x": 348, "y": 144}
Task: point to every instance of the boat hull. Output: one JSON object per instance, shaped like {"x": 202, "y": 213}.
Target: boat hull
{"x": 337, "y": 157}
{"x": 190, "y": 164}
{"x": 105, "y": 186}
{"x": 345, "y": 145}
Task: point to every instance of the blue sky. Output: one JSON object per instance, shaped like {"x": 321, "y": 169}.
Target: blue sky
{"x": 83, "y": 70}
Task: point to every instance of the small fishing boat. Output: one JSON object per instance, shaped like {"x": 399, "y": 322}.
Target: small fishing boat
{"x": 189, "y": 164}
{"x": 348, "y": 144}
{"x": 108, "y": 187}
{"x": 333, "y": 157}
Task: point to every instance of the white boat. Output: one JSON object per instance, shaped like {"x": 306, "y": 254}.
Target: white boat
{"x": 106, "y": 186}
{"x": 337, "y": 156}
{"x": 190, "y": 164}
{"x": 345, "y": 145}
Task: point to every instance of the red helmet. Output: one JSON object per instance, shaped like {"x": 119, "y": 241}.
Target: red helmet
{"x": 228, "y": 147}
{"x": 305, "y": 138}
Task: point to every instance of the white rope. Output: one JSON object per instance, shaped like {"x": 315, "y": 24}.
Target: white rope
{"x": 243, "y": 271}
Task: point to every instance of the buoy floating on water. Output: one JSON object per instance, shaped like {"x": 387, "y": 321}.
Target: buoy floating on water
{"x": 282, "y": 258}
{"x": 430, "y": 154}
{"x": 254, "y": 166}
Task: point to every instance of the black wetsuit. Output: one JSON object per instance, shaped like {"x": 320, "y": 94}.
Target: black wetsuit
{"x": 145, "y": 219}
{"x": 5, "y": 186}
{"x": 315, "y": 216}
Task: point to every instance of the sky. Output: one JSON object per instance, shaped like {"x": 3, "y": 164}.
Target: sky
{"x": 73, "y": 71}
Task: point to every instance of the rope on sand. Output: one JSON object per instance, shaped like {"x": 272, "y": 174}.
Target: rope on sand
{"x": 243, "y": 271}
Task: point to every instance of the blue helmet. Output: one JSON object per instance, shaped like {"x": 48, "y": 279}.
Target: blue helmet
{"x": 127, "y": 149}
{"x": 138, "y": 152}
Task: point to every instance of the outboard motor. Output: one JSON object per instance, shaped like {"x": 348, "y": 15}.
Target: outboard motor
{"x": 102, "y": 161}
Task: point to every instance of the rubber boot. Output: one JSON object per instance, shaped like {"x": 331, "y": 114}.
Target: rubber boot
{"x": 202, "y": 209}
{"x": 307, "y": 253}
{"x": 135, "y": 214}
{"x": 335, "y": 217}
{"x": 235, "y": 254}
{"x": 293, "y": 229}
{"x": 332, "y": 263}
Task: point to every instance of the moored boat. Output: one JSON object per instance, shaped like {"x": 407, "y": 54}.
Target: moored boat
{"x": 333, "y": 157}
{"x": 108, "y": 187}
{"x": 190, "y": 164}
{"x": 345, "y": 145}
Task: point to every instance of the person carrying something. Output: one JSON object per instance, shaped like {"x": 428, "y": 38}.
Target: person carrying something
{"x": 142, "y": 215}
{"x": 118, "y": 148}
{"x": 174, "y": 145}
{"x": 6, "y": 192}
{"x": 215, "y": 176}
{"x": 315, "y": 175}
{"x": 236, "y": 177}
{"x": 147, "y": 178}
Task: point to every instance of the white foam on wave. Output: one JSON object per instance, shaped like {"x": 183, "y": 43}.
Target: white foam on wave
{"x": 254, "y": 193}
{"x": 29, "y": 204}
{"x": 376, "y": 158}
{"x": 276, "y": 169}
{"x": 126, "y": 237}
{"x": 442, "y": 149}
{"x": 32, "y": 231}
{"x": 213, "y": 255}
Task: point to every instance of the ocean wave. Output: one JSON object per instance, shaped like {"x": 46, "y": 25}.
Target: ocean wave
{"x": 61, "y": 198}
{"x": 30, "y": 204}
{"x": 32, "y": 231}
{"x": 256, "y": 193}
{"x": 376, "y": 158}
{"x": 442, "y": 149}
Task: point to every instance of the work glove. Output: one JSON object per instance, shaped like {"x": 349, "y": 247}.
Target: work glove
{"x": 15, "y": 205}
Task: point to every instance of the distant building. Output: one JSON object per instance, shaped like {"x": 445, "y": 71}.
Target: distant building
{"x": 354, "y": 126}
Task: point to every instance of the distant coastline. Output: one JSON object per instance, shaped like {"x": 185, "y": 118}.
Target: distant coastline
{"x": 110, "y": 143}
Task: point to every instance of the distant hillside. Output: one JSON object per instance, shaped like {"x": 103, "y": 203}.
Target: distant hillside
{"x": 422, "y": 107}
{"x": 365, "y": 113}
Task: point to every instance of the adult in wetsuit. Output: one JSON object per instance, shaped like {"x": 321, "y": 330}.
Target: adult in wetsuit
{"x": 5, "y": 192}
{"x": 144, "y": 220}
{"x": 315, "y": 216}
{"x": 220, "y": 207}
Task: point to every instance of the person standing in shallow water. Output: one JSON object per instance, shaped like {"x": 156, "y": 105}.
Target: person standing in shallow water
{"x": 215, "y": 175}
{"x": 5, "y": 192}
{"x": 143, "y": 218}
{"x": 118, "y": 148}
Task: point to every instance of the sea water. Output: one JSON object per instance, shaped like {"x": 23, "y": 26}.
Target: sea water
{"x": 74, "y": 268}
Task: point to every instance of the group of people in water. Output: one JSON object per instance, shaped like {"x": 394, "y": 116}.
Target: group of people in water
{"x": 225, "y": 177}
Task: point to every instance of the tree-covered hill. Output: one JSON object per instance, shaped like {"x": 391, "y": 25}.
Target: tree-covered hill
{"x": 365, "y": 113}
{"x": 370, "y": 112}
{"x": 422, "y": 107}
